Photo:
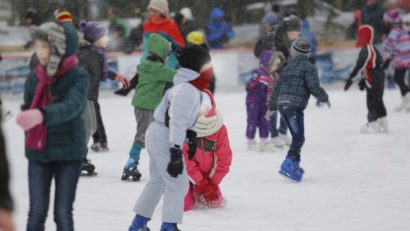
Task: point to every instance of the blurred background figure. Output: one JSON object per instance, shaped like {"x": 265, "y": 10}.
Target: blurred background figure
{"x": 351, "y": 32}
{"x": 218, "y": 32}
{"x": 118, "y": 30}
{"x": 268, "y": 23}
{"x": 135, "y": 37}
{"x": 188, "y": 23}
{"x": 372, "y": 14}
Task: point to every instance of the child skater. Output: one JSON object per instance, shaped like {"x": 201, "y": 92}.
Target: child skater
{"x": 212, "y": 159}
{"x": 258, "y": 88}
{"x": 371, "y": 62}
{"x": 152, "y": 78}
{"x": 54, "y": 98}
{"x": 177, "y": 113}
{"x": 299, "y": 80}
{"x": 93, "y": 59}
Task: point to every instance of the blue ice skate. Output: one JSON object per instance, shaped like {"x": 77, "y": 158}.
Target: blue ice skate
{"x": 139, "y": 224}
{"x": 291, "y": 169}
{"x": 169, "y": 227}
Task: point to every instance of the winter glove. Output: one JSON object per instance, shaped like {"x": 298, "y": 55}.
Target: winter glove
{"x": 192, "y": 143}
{"x": 208, "y": 189}
{"x": 362, "y": 84}
{"x": 29, "y": 119}
{"x": 125, "y": 82}
{"x": 176, "y": 165}
{"x": 348, "y": 83}
{"x": 133, "y": 84}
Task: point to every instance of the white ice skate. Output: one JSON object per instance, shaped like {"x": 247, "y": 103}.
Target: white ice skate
{"x": 266, "y": 146}
{"x": 383, "y": 125}
{"x": 253, "y": 145}
{"x": 278, "y": 142}
{"x": 286, "y": 138}
{"x": 371, "y": 127}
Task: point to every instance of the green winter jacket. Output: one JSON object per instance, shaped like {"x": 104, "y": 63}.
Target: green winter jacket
{"x": 65, "y": 127}
{"x": 152, "y": 77}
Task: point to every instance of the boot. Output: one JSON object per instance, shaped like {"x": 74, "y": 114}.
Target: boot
{"x": 371, "y": 127}
{"x": 278, "y": 142}
{"x": 291, "y": 169}
{"x": 286, "y": 138}
{"x": 383, "y": 125}
{"x": 252, "y": 145}
{"x": 265, "y": 145}
{"x": 87, "y": 168}
{"x": 131, "y": 172}
{"x": 139, "y": 224}
{"x": 169, "y": 227}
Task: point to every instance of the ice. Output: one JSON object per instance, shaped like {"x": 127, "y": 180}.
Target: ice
{"x": 352, "y": 181}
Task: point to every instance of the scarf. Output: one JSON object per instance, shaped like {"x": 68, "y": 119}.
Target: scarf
{"x": 202, "y": 82}
{"x": 103, "y": 58}
{"x": 36, "y": 137}
{"x": 206, "y": 126}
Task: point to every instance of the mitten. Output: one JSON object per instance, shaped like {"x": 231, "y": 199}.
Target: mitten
{"x": 211, "y": 192}
{"x": 348, "y": 83}
{"x": 125, "y": 90}
{"x": 125, "y": 82}
{"x": 29, "y": 119}
{"x": 362, "y": 84}
{"x": 176, "y": 165}
{"x": 192, "y": 143}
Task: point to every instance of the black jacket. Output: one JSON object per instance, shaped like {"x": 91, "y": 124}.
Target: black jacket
{"x": 5, "y": 197}
{"x": 91, "y": 62}
{"x": 276, "y": 40}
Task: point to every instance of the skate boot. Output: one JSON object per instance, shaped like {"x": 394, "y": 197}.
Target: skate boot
{"x": 131, "y": 172}
{"x": 100, "y": 146}
{"x": 278, "y": 142}
{"x": 139, "y": 224}
{"x": 383, "y": 125}
{"x": 252, "y": 145}
{"x": 169, "y": 227}
{"x": 291, "y": 169}
{"x": 286, "y": 138}
{"x": 371, "y": 127}
{"x": 265, "y": 145}
{"x": 88, "y": 169}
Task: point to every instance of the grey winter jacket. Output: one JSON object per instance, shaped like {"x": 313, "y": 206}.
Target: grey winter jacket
{"x": 298, "y": 80}
{"x": 182, "y": 102}
{"x": 92, "y": 63}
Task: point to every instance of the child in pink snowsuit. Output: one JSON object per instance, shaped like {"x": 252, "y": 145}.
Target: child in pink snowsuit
{"x": 212, "y": 159}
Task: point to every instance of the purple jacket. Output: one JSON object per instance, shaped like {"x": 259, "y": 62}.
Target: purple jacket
{"x": 258, "y": 88}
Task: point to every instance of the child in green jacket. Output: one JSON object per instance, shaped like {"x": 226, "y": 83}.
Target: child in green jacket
{"x": 152, "y": 78}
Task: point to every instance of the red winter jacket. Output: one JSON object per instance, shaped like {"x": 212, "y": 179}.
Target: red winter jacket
{"x": 214, "y": 163}
{"x": 167, "y": 26}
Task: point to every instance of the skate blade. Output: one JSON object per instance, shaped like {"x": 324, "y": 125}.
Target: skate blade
{"x": 288, "y": 176}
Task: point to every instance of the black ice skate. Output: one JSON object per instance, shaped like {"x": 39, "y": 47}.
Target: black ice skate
{"x": 88, "y": 169}
{"x": 100, "y": 147}
{"x": 131, "y": 173}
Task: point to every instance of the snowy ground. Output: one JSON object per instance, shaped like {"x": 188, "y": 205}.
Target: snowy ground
{"x": 352, "y": 181}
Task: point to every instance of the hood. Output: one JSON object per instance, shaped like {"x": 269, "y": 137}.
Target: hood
{"x": 265, "y": 58}
{"x": 365, "y": 36}
{"x": 185, "y": 75}
{"x": 158, "y": 45}
{"x": 217, "y": 13}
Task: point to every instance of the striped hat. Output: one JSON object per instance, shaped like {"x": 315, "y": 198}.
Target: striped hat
{"x": 63, "y": 15}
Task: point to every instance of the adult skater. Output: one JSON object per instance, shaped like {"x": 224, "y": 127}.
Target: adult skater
{"x": 176, "y": 114}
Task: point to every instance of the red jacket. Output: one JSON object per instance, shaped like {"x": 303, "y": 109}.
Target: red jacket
{"x": 214, "y": 163}
{"x": 167, "y": 26}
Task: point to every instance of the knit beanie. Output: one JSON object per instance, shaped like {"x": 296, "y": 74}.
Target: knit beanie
{"x": 196, "y": 37}
{"x": 193, "y": 57}
{"x": 63, "y": 41}
{"x": 292, "y": 23}
{"x": 92, "y": 30}
{"x": 393, "y": 16}
{"x": 158, "y": 45}
{"x": 265, "y": 57}
{"x": 63, "y": 15}
{"x": 160, "y": 5}
{"x": 270, "y": 18}
{"x": 300, "y": 47}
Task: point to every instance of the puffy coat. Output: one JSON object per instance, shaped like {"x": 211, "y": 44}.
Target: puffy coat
{"x": 218, "y": 32}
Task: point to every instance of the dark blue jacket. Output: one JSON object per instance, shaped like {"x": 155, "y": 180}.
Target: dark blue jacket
{"x": 298, "y": 80}
{"x": 218, "y": 31}
{"x": 310, "y": 36}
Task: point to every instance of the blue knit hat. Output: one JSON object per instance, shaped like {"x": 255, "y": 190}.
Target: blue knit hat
{"x": 92, "y": 30}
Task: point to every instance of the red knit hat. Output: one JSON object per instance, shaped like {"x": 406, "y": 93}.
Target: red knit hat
{"x": 63, "y": 15}
{"x": 365, "y": 36}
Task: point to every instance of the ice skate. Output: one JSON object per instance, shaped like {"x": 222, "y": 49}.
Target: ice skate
{"x": 253, "y": 145}
{"x": 100, "y": 147}
{"x": 291, "y": 169}
{"x": 383, "y": 125}
{"x": 139, "y": 224}
{"x": 266, "y": 145}
{"x": 169, "y": 227}
{"x": 88, "y": 169}
{"x": 371, "y": 127}
{"x": 286, "y": 138}
{"x": 131, "y": 172}
{"x": 278, "y": 142}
